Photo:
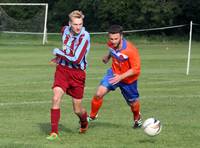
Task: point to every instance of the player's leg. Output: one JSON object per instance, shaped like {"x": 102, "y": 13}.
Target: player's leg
{"x": 59, "y": 88}
{"x": 102, "y": 90}
{"x": 80, "y": 111}
{"x": 135, "y": 108}
{"x": 55, "y": 112}
{"x": 97, "y": 101}
{"x": 76, "y": 91}
{"x": 131, "y": 95}
{"x": 55, "y": 109}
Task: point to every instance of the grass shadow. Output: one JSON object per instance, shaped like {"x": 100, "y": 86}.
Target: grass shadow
{"x": 104, "y": 124}
{"x": 152, "y": 141}
{"x": 46, "y": 128}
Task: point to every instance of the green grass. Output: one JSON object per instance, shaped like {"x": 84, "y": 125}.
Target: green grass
{"x": 166, "y": 93}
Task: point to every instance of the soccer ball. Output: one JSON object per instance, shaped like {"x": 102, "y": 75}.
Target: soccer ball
{"x": 152, "y": 126}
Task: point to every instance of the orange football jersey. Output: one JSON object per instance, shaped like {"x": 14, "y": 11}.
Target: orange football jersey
{"x": 125, "y": 59}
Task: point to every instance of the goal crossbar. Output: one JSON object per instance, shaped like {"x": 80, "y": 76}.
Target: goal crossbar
{"x": 27, "y": 4}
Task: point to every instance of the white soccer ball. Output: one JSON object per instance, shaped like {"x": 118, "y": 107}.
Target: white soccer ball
{"x": 152, "y": 126}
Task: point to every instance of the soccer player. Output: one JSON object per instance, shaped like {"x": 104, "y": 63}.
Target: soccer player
{"x": 70, "y": 72}
{"x": 124, "y": 74}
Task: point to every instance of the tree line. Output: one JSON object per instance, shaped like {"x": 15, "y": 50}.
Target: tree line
{"x": 131, "y": 14}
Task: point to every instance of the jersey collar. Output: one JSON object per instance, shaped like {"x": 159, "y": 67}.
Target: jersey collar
{"x": 124, "y": 45}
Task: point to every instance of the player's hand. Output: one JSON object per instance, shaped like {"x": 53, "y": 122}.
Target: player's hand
{"x": 55, "y": 51}
{"x": 53, "y": 62}
{"x": 105, "y": 59}
{"x": 116, "y": 79}
{"x": 59, "y": 52}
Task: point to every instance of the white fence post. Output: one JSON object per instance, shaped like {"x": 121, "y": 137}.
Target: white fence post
{"x": 189, "y": 50}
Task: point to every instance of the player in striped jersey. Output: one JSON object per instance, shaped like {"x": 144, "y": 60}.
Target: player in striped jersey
{"x": 123, "y": 74}
{"x": 70, "y": 71}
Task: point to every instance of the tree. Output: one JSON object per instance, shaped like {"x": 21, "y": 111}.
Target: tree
{"x": 131, "y": 14}
{"x": 58, "y": 14}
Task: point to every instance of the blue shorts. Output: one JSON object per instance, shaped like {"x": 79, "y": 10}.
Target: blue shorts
{"x": 129, "y": 91}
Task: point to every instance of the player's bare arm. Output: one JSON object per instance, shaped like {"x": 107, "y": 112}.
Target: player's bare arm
{"x": 106, "y": 58}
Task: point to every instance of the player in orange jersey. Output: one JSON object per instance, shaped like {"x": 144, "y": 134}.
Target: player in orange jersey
{"x": 124, "y": 74}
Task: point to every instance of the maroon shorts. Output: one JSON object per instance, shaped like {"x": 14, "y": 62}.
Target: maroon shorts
{"x": 71, "y": 80}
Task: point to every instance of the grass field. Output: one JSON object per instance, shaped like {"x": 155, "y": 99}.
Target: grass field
{"x": 166, "y": 93}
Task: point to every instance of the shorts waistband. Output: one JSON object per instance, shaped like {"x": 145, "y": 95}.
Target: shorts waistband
{"x": 70, "y": 67}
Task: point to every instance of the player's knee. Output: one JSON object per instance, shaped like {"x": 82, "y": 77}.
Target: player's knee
{"x": 99, "y": 94}
{"x": 56, "y": 99}
{"x": 77, "y": 112}
{"x": 101, "y": 91}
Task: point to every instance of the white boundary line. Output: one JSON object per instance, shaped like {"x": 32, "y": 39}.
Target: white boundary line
{"x": 99, "y": 78}
{"x": 24, "y": 103}
{"x": 88, "y": 99}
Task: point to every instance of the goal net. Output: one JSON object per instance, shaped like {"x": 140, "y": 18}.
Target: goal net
{"x": 21, "y": 22}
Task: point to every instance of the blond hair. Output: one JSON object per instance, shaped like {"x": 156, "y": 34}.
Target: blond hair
{"x": 76, "y": 14}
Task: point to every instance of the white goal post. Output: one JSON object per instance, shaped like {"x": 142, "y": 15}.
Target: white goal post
{"x": 189, "y": 49}
{"x": 45, "y": 18}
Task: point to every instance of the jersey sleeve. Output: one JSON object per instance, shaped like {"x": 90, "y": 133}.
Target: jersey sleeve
{"x": 79, "y": 53}
{"x": 134, "y": 60}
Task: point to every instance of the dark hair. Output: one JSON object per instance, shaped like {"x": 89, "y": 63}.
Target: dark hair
{"x": 115, "y": 29}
